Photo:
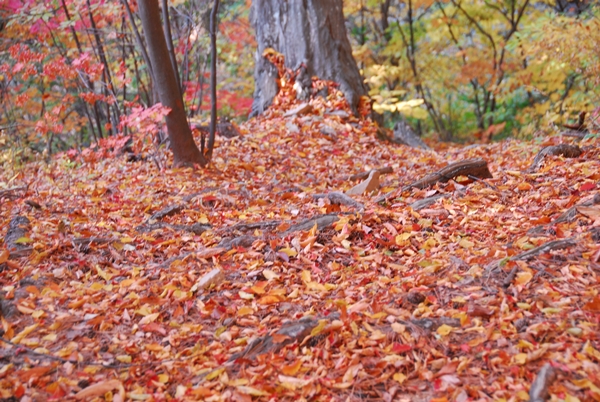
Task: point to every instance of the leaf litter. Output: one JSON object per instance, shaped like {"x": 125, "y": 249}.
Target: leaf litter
{"x": 272, "y": 276}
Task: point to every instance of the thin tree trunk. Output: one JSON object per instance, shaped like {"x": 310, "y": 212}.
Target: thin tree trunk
{"x": 185, "y": 151}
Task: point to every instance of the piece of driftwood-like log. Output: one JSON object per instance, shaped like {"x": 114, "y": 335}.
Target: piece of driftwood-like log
{"x": 364, "y": 175}
{"x": 425, "y": 202}
{"x": 567, "y": 216}
{"x": 322, "y": 221}
{"x": 566, "y": 150}
{"x": 539, "y": 391}
{"x": 476, "y": 167}
{"x": 337, "y": 198}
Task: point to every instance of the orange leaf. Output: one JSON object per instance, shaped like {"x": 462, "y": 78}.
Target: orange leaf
{"x": 292, "y": 369}
{"x": 593, "y": 305}
{"x": 98, "y": 389}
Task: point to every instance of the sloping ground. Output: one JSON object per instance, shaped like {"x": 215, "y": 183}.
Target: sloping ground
{"x": 455, "y": 301}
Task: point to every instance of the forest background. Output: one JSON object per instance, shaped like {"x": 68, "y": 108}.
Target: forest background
{"x": 71, "y": 72}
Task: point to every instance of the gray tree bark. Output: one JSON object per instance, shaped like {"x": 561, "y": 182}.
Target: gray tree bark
{"x": 312, "y": 32}
{"x": 185, "y": 150}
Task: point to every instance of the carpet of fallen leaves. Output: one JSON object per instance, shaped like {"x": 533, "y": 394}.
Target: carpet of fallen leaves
{"x": 133, "y": 281}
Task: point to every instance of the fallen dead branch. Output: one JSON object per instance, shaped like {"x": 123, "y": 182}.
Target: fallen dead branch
{"x": 322, "y": 221}
{"x": 566, "y": 150}
{"x": 425, "y": 202}
{"x": 544, "y": 248}
{"x": 566, "y": 216}
{"x": 475, "y": 167}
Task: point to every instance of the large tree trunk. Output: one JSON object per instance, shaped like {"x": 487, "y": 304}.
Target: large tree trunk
{"x": 185, "y": 151}
{"x": 304, "y": 31}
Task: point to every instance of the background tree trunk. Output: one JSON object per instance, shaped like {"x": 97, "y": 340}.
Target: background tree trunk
{"x": 185, "y": 151}
{"x": 312, "y": 32}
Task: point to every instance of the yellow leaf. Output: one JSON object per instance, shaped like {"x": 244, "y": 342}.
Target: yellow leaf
{"x": 398, "y": 328}
{"x": 245, "y": 296}
{"x": 149, "y": 318}
{"x": 305, "y": 275}
{"x": 464, "y": 243}
{"x": 268, "y": 274}
{"x": 399, "y": 377}
{"x": 163, "y": 378}
{"x": 402, "y": 238}
{"x": 245, "y": 310}
{"x": 19, "y": 337}
{"x": 444, "y": 330}
{"x": 124, "y": 358}
{"x": 214, "y": 374}
{"x": 316, "y": 286}
{"x": 523, "y": 278}
{"x": 251, "y": 391}
{"x": 293, "y": 383}
{"x": 290, "y": 252}
{"x": 590, "y": 351}
{"x": 520, "y": 358}
{"x": 317, "y": 330}
{"x": 103, "y": 274}
{"x": 351, "y": 372}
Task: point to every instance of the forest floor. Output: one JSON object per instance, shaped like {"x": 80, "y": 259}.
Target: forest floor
{"x": 132, "y": 281}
